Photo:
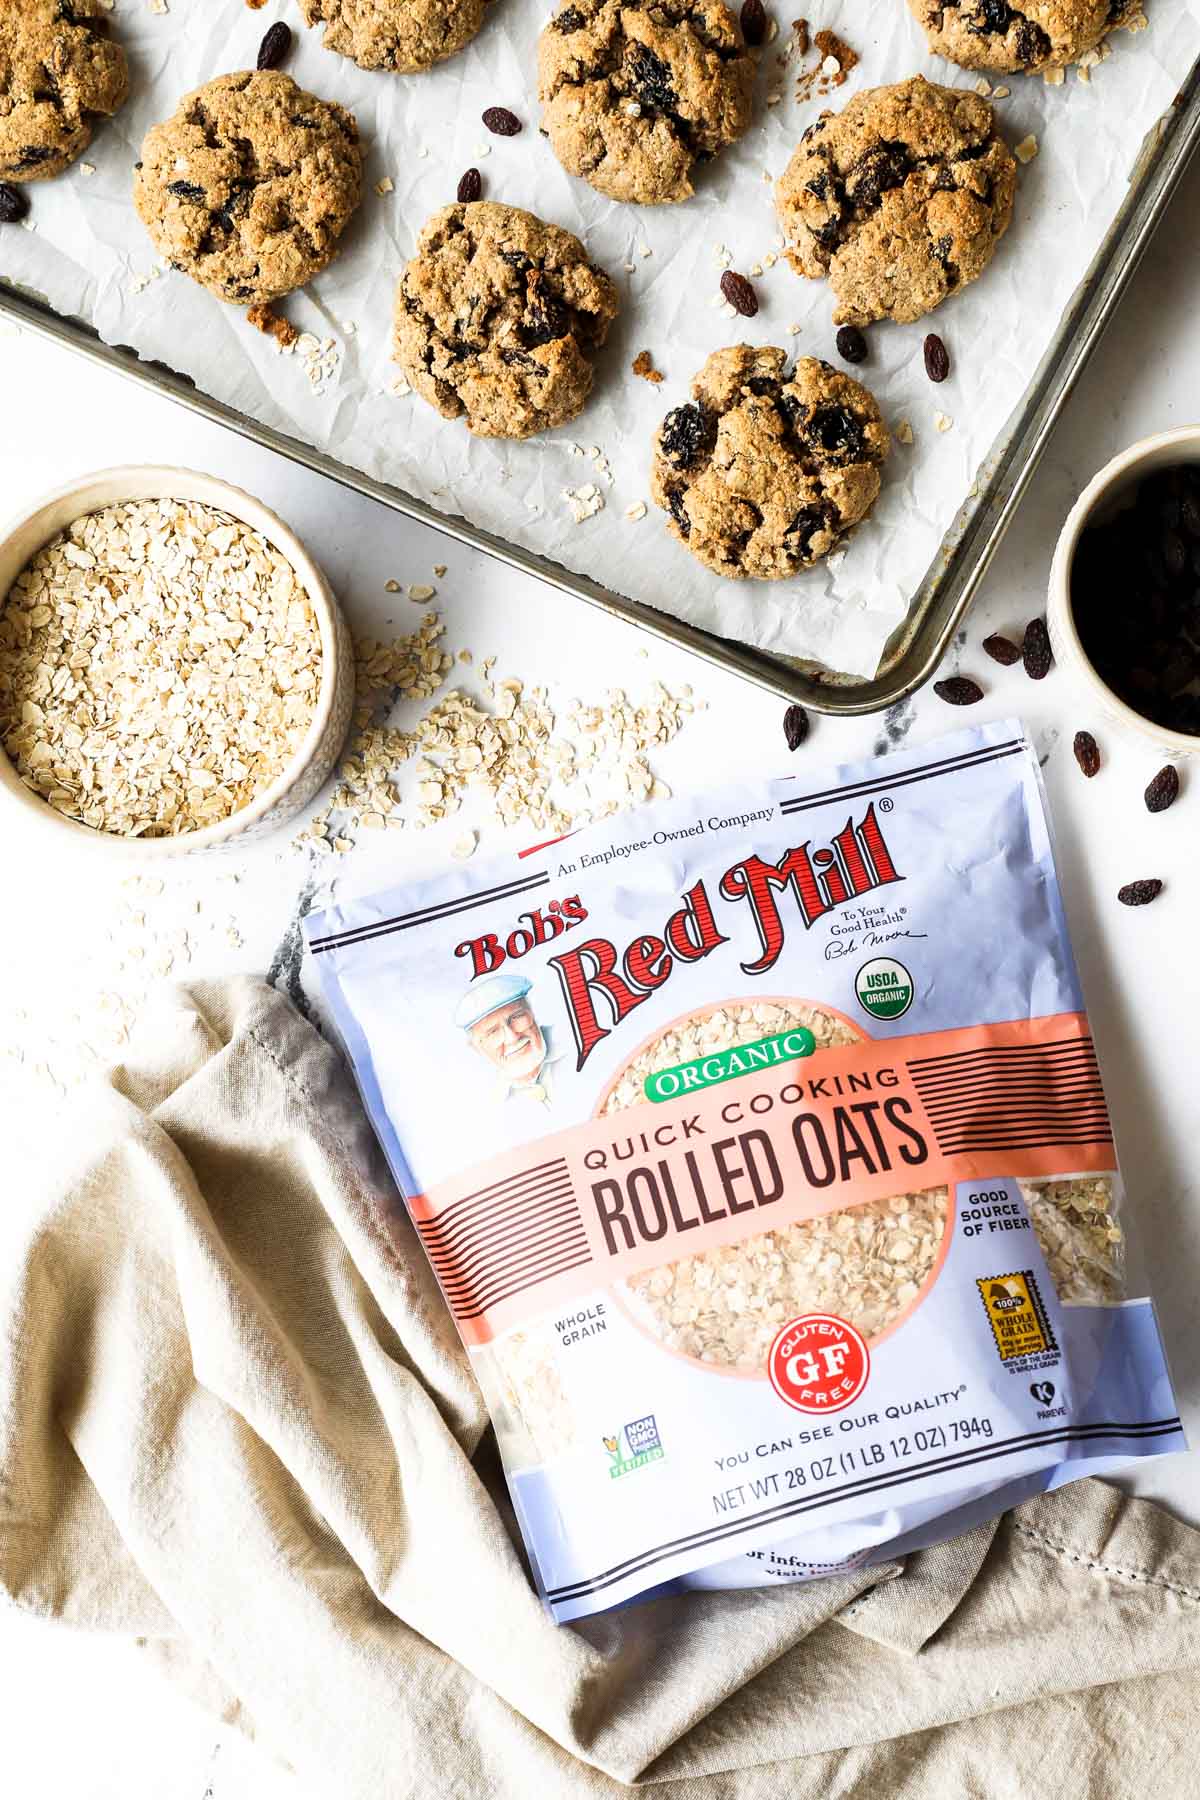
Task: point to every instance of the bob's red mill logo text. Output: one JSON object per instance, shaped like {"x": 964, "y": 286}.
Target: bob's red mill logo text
{"x": 595, "y": 974}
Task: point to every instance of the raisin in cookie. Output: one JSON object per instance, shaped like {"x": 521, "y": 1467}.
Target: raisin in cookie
{"x": 249, "y": 187}
{"x": 497, "y": 317}
{"x": 764, "y": 473}
{"x": 634, "y": 94}
{"x": 59, "y": 73}
{"x": 405, "y": 36}
{"x": 1036, "y": 34}
{"x": 899, "y": 199}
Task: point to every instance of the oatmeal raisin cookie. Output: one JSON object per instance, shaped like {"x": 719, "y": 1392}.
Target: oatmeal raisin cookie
{"x": 765, "y": 471}
{"x": 498, "y": 316}
{"x": 635, "y": 94}
{"x": 898, "y": 200}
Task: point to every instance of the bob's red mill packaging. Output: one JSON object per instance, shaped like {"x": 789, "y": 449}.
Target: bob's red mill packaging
{"x": 760, "y": 1148}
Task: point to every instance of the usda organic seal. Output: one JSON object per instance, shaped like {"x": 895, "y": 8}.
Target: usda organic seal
{"x": 884, "y": 988}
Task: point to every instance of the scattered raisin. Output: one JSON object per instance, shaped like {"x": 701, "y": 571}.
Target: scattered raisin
{"x": 754, "y": 22}
{"x": 503, "y": 123}
{"x": 1087, "y": 753}
{"x": 851, "y": 344}
{"x": 739, "y": 293}
{"x": 275, "y": 45}
{"x": 1139, "y": 893}
{"x": 1036, "y": 653}
{"x": 958, "y": 690}
{"x": 937, "y": 358}
{"x": 1002, "y": 649}
{"x": 13, "y": 204}
{"x": 470, "y": 187}
{"x": 1163, "y": 790}
{"x": 795, "y": 727}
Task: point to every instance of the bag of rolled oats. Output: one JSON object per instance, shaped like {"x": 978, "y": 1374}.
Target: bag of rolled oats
{"x": 759, "y": 1146}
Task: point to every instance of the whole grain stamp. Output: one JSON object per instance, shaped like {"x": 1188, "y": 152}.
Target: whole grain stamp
{"x": 1037, "y": 34}
{"x": 634, "y": 95}
{"x": 498, "y": 316}
{"x": 899, "y": 200}
{"x": 765, "y": 470}
{"x": 60, "y": 71}
{"x": 250, "y": 185}
{"x": 401, "y": 35}
{"x": 778, "y": 1216}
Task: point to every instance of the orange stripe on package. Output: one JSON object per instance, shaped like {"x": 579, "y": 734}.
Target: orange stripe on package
{"x": 760, "y": 1148}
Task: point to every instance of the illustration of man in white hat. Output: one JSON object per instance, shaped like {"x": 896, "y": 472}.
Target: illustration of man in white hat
{"x": 498, "y": 1018}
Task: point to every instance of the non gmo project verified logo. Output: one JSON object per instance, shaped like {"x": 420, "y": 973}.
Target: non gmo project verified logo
{"x": 642, "y": 1446}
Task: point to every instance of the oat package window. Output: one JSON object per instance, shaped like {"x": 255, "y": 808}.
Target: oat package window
{"x": 760, "y": 1147}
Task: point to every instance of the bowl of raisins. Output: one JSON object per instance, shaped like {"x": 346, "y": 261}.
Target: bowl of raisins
{"x": 1124, "y": 603}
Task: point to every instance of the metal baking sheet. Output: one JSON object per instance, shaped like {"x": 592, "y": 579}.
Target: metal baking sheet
{"x": 940, "y": 601}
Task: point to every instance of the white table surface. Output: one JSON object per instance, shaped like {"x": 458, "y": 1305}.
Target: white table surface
{"x": 82, "y": 1716}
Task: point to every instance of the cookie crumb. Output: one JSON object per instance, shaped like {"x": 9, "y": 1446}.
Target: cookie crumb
{"x": 834, "y": 62}
{"x": 644, "y": 366}
{"x": 272, "y": 324}
{"x": 439, "y": 570}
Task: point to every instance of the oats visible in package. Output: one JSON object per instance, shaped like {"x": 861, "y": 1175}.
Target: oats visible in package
{"x": 759, "y": 1145}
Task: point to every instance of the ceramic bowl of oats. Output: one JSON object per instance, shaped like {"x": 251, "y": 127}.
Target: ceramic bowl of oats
{"x": 175, "y": 672}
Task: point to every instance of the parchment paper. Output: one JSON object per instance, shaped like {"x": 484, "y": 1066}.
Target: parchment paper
{"x": 90, "y": 257}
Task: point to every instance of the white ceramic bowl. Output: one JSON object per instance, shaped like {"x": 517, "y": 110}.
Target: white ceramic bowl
{"x": 1103, "y": 496}
{"x": 302, "y": 778}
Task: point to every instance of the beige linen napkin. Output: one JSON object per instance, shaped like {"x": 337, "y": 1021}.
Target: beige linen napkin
{"x": 235, "y": 1423}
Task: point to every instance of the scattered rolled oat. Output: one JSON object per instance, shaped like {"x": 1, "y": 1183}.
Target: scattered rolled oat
{"x": 159, "y": 666}
{"x": 943, "y": 421}
{"x": 585, "y": 502}
{"x": 903, "y": 433}
{"x": 421, "y": 591}
{"x": 1027, "y": 149}
{"x": 636, "y": 510}
{"x": 537, "y": 769}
